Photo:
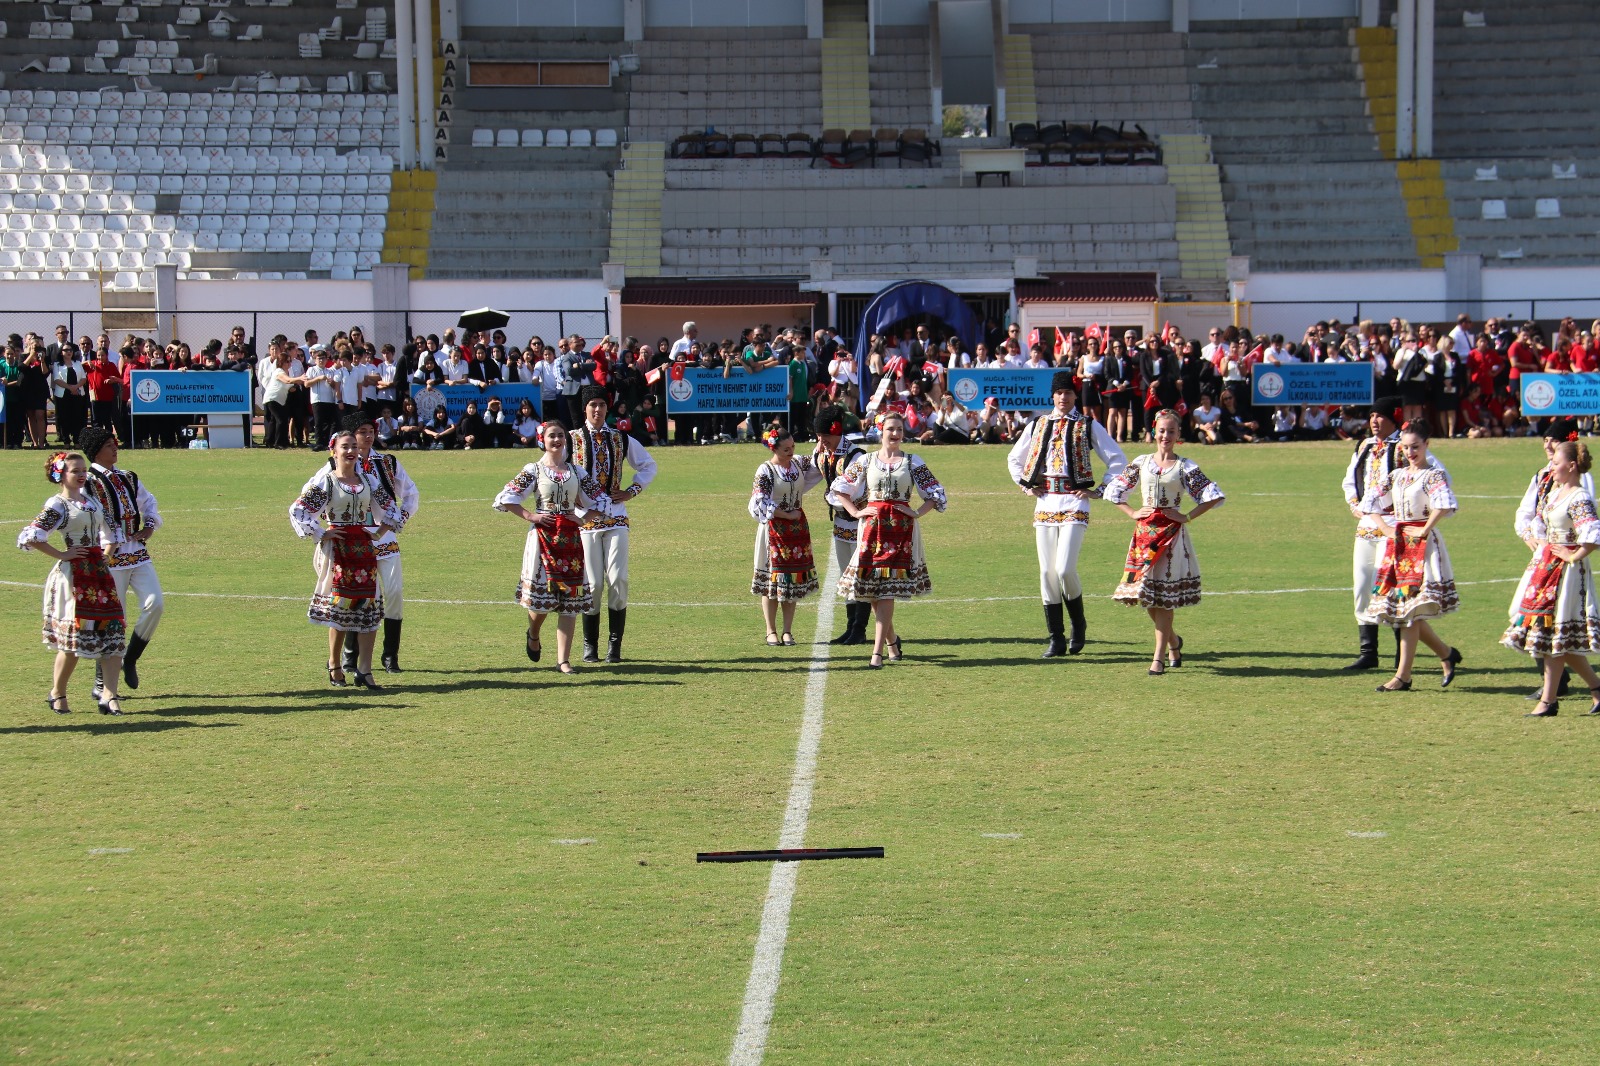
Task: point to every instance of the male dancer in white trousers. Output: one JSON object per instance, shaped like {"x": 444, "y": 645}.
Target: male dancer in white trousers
{"x": 131, "y": 517}
{"x": 387, "y": 469}
{"x": 604, "y": 452}
{"x": 1052, "y": 462}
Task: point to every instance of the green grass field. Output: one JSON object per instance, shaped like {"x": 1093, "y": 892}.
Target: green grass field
{"x": 1255, "y": 859}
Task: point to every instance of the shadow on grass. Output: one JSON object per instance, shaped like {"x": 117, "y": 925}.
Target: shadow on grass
{"x": 111, "y": 725}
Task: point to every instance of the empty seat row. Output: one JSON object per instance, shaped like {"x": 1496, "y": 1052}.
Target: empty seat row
{"x": 488, "y": 138}
{"x": 158, "y": 98}
{"x": 35, "y": 123}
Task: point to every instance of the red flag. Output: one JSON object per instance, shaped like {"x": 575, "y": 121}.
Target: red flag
{"x": 1093, "y": 330}
{"x": 653, "y": 376}
{"x": 1166, "y": 333}
{"x": 1061, "y": 342}
{"x": 1033, "y": 338}
{"x": 677, "y": 371}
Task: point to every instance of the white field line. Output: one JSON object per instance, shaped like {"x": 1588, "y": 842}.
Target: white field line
{"x": 746, "y": 603}
{"x": 189, "y": 510}
{"x": 761, "y": 991}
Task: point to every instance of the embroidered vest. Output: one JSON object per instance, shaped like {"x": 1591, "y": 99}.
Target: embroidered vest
{"x": 1077, "y": 438}
{"x": 602, "y": 454}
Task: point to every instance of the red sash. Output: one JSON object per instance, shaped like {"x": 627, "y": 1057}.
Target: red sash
{"x": 1403, "y": 567}
{"x": 789, "y": 545}
{"x": 1538, "y": 606}
{"x": 886, "y": 538}
{"x": 355, "y": 564}
{"x": 561, "y": 551}
{"x": 94, "y": 591}
{"x": 1151, "y": 537}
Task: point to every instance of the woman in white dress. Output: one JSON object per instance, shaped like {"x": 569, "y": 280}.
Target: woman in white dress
{"x": 82, "y": 613}
{"x": 1555, "y": 615}
{"x": 553, "y": 580}
{"x": 1162, "y": 572}
{"x": 1414, "y": 581}
{"x": 888, "y": 564}
{"x": 785, "y": 570}
{"x": 345, "y": 510}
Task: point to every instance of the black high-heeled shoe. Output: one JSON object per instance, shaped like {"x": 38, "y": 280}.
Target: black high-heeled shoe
{"x": 565, "y": 667}
{"x": 1449, "y": 668}
{"x": 365, "y": 681}
{"x": 1545, "y": 710}
{"x": 335, "y": 676}
{"x": 1157, "y": 668}
{"x": 895, "y": 644}
{"x": 535, "y": 647}
{"x": 1399, "y": 686}
{"x": 1594, "y": 694}
{"x": 107, "y": 708}
{"x": 1175, "y": 655}
{"x": 875, "y": 661}
{"x": 58, "y": 704}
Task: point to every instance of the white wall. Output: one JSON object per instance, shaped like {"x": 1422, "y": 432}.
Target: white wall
{"x": 566, "y": 13}
{"x": 724, "y": 12}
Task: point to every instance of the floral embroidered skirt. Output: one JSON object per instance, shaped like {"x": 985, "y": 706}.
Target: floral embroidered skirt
{"x": 1555, "y": 610}
{"x": 346, "y": 596}
{"x": 888, "y": 563}
{"x": 82, "y": 612}
{"x": 1414, "y": 583}
{"x": 785, "y": 569}
{"x": 1161, "y": 570}
{"x": 552, "y": 579}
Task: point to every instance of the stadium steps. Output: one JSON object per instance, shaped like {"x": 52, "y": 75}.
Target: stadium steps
{"x": 636, "y": 209}
{"x": 846, "y": 89}
{"x": 898, "y": 78}
{"x": 406, "y": 238}
{"x": 519, "y": 223}
{"x": 691, "y": 80}
{"x": 1202, "y": 225}
{"x": 1113, "y": 76}
{"x": 1022, "y": 100}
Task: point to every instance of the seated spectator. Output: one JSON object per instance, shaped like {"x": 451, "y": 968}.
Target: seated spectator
{"x": 1313, "y": 424}
{"x": 408, "y": 431}
{"x": 496, "y": 425}
{"x": 951, "y": 422}
{"x": 646, "y": 423}
{"x": 992, "y": 425}
{"x": 1474, "y": 416}
{"x": 1235, "y": 428}
{"x": 439, "y": 433}
{"x": 1283, "y": 423}
{"x": 525, "y": 430}
{"x": 388, "y": 429}
{"x": 469, "y": 431}
{"x": 1206, "y": 421}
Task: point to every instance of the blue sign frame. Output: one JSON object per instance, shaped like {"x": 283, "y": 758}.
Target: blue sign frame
{"x": 196, "y": 392}
{"x": 510, "y": 394}
{"x": 1544, "y": 395}
{"x": 1014, "y": 388}
{"x": 702, "y": 391}
{"x": 1316, "y": 384}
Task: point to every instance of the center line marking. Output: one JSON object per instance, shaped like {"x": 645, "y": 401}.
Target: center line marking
{"x": 761, "y": 991}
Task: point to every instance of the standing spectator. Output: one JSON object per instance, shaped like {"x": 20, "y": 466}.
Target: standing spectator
{"x": 326, "y": 385}
{"x": 799, "y": 393}
{"x": 34, "y": 378}
{"x": 1449, "y": 377}
{"x": 69, "y": 383}
{"x": 381, "y": 385}
{"x": 573, "y": 370}
{"x": 454, "y": 367}
{"x": 105, "y": 389}
{"x": 275, "y": 385}
{"x": 351, "y": 378}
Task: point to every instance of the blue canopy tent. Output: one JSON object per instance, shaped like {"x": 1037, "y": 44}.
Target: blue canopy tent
{"x": 907, "y": 298}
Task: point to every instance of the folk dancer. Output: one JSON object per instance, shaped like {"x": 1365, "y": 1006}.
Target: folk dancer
{"x": 833, "y": 455}
{"x": 1555, "y": 614}
{"x": 348, "y": 596}
{"x": 82, "y": 613}
{"x": 132, "y": 516}
{"x": 888, "y": 564}
{"x": 603, "y": 452}
{"x": 1162, "y": 572}
{"x": 1052, "y": 462}
{"x": 1374, "y": 459}
{"x": 1560, "y": 430}
{"x": 1415, "y": 582}
{"x": 785, "y": 571}
{"x": 553, "y": 572}
{"x": 397, "y": 483}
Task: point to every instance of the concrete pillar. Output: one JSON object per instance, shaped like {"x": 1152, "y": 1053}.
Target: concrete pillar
{"x": 1180, "y": 16}
{"x": 814, "y": 22}
{"x": 449, "y": 21}
{"x": 615, "y": 278}
{"x": 406, "y": 82}
{"x": 427, "y": 98}
{"x": 633, "y": 20}
{"x": 391, "y": 303}
{"x": 1406, "y": 81}
{"x": 1369, "y": 13}
{"x": 166, "y": 303}
{"x": 833, "y": 309}
{"x": 1424, "y": 89}
{"x": 1463, "y": 284}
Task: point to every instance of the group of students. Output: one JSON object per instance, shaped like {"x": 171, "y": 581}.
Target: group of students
{"x": 575, "y": 500}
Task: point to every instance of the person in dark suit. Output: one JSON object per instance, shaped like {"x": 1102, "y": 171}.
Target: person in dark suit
{"x": 1158, "y": 369}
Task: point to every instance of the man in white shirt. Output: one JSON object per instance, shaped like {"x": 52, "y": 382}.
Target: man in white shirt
{"x": 327, "y": 386}
{"x": 350, "y": 387}
{"x": 1462, "y": 338}
{"x": 680, "y": 347}
{"x": 379, "y": 389}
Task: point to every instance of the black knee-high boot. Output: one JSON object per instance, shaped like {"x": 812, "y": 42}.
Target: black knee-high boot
{"x": 391, "y": 645}
{"x": 130, "y": 660}
{"x": 352, "y": 651}
{"x": 849, "y": 623}
{"x": 99, "y": 679}
{"x": 591, "y": 637}
{"x": 1080, "y": 624}
{"x": 1368, "y": 658}
{"x": 618, "y": 621}
{"x": 1055, "y": 624}
{"x": 858, "y": 634}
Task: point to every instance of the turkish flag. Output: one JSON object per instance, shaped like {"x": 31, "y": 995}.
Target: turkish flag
{"x": 677, "y": 372}
{"x": 1093, "y": 330}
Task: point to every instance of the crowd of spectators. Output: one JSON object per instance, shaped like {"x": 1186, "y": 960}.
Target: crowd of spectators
{"x": 1463, "y": 379}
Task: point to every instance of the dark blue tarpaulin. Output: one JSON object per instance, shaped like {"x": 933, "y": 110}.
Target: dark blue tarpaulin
{"x": 908, "y": 298}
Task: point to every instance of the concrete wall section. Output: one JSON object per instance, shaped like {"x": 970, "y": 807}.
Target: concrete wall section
{"x": 649, "y": 323}
{"x": 1025, "y": 12}
{"x": 1232, "y": 10}
{"x": 723, "y": 12}
{"x": 713, "y": 209}
{"x": 568, "y": 13}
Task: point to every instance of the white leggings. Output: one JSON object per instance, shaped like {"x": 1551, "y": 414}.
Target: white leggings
{"x": 147, "y": 591}
{"x": 605, "y": 565}
{"x": 1368, "y": 554}
{"x": 1058, "y": 560}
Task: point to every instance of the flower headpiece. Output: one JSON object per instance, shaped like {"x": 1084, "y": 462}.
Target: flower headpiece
{"x": 55, "y": 467}
{"x": 887, "y": 413}
{"x": 770, "y": 438}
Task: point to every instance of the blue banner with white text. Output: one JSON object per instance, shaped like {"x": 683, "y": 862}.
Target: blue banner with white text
{"x": 1544, "y": 395}
{"x": 701, "y": 391}
{"x": 455, "y": 397}
{"x": 1014, "y": 389}
{"x": 1317, "y": 384}
{"x": 195, "y": 392}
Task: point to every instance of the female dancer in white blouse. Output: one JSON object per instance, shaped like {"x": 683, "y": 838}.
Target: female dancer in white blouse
{"x": 82, "y": 614}
{"x": 346, "y": 510}
{"x": 1414, "y": 581}
{"x": 888, "y": 564}
{"x": 553, "y": 578}
{"x": 1162, "y": 572}
{"x": 1555, "y": 615}
{"x": 785, "y": 570}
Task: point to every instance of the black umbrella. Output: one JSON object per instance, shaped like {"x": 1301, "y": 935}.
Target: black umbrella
{"x": 483, "y": 318}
